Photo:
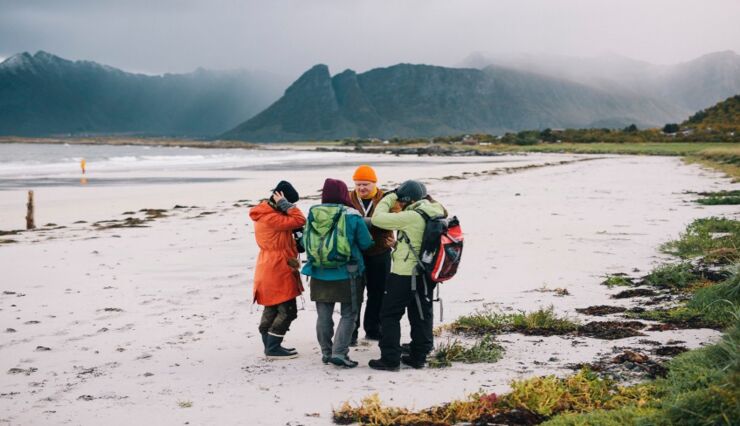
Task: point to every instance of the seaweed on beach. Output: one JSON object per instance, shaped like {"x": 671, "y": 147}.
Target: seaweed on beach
{"x": 601, "y": 310}
{"x": 611, "y": 330}
{"x": 129, "y": 222}
{"x": 530, "y": 401}
{"x": 635, "y": 292}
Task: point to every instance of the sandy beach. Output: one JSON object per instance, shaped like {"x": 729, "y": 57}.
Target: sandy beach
{"x": 154, "y": 324}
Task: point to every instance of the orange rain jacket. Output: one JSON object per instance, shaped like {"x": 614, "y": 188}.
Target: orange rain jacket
{"x": 276, "y": 276}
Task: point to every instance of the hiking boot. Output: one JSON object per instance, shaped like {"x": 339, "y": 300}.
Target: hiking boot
{"x": 380, "y": 364}
{"x": 372, "y": 336}
{"x": 275, "y": 351}
{"x": 343, "y": 361}
{"x": 264, "y": 342}
{"x": 412, "y": 362}
{"x": 325, "y": 359}
{"x": 406, "y": 348}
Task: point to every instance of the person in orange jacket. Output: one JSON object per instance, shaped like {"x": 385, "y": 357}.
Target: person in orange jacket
{"x": 277, "y": 281}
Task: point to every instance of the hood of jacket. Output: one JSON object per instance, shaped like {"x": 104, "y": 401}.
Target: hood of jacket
{"x": 260, "y": 210}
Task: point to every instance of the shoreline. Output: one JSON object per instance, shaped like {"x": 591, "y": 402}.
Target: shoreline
{"x": 130, "y": 141}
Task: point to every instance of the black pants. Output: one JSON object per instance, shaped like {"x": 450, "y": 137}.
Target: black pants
{"x": 276, "y": 319}
{"x": 399, "y": 299}
{"x": 377, "y": 269}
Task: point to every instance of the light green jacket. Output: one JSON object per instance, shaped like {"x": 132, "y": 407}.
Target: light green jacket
{"x": 409, "y": 222}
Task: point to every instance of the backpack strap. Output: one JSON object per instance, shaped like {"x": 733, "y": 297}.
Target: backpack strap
{"x": 420, "y": 264}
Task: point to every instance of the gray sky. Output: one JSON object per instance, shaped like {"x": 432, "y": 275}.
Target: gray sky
{"x": 287, "y": 37}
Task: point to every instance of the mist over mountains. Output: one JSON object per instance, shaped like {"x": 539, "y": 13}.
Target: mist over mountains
{"x": 691, "y": 85}
{"x": 43, "y": 94}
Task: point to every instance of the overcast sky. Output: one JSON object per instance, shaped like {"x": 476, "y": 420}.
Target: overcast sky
{"x": 287, "y": 37}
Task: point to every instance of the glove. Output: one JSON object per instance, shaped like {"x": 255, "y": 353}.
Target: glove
{"x": 284, "y": 205}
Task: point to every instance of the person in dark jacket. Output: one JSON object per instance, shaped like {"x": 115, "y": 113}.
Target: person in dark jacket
{"x": 377, "y": 258}
{"x": 334, "y": 278}
{"x": 277, "y": 281}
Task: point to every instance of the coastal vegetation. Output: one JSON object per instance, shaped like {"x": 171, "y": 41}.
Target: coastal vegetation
{"x": 697, "y": 387}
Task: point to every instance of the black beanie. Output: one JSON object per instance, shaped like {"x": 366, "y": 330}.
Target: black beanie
{"x": 411, "y": 191}
{"x": 288, "y": 191}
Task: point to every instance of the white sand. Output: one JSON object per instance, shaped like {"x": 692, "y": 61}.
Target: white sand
{"x": 187, "y": 333}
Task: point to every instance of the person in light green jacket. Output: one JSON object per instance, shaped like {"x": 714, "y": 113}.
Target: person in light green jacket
{"x": 400, "y": 296}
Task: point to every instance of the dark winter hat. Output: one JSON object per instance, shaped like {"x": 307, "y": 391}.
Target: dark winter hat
{"x": 335, "y": 192}
{"x": 288, "y": 191}
{"x": 411, "y": 191}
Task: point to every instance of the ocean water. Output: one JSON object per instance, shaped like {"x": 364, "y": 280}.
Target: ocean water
{"x": 54, "y": 162}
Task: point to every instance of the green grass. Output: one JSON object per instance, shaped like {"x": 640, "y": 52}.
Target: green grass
{"x": 543, "y": 321}
{"x": 481, "y": 323}
{"x": 484, "y": 350}
{"x": 618, "y": 280}
{"x": 710, "y": 306}
{"x": 679, "y": 276}
{"x": 719, "y": 198}
{"x": 646, "y": 148}
{"x": 725, "y": 159}
{"x": 717, "y": 302}
{"x": 716, "y": 240}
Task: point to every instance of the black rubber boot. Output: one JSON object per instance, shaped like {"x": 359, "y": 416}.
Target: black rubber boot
{"x": 264, "y": 341}
{"x": 380, "y": 364}
{"x": 275, "y": 351}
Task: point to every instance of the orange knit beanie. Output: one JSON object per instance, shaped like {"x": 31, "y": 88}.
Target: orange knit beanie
{"x": 365, "y": 172}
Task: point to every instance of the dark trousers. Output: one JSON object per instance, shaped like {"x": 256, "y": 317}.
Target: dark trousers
{"x": 377, "y": 268}
{"x": 276, "y": 319}
{"x": 397, "y": 300}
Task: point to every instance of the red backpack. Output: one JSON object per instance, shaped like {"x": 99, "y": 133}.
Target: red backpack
{"x": 441, "y": 247}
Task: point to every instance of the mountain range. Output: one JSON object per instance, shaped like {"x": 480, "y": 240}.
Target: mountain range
{"x": 44, "y": 94}
{"x": 486, "y": 96}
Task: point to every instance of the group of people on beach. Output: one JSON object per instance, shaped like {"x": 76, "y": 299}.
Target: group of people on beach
{"x": 363, "y": 240}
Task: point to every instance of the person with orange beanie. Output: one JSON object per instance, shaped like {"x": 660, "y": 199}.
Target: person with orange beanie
{"x": 365, "y": 197}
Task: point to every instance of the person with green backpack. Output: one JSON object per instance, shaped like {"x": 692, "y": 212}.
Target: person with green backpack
{"x": 334, "y": 237}
{"x": 406, "y": 290}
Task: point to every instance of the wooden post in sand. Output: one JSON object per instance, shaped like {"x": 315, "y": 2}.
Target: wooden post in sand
{"x": 29, "y": 213}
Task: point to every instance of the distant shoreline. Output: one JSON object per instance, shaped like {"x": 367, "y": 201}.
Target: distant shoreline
{"x": 121, "y": 141}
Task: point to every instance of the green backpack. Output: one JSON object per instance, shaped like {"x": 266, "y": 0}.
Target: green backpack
{"x": 325, "y": 236}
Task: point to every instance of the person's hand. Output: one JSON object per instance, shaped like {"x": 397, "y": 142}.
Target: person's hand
{"x": 277, "y": 196}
